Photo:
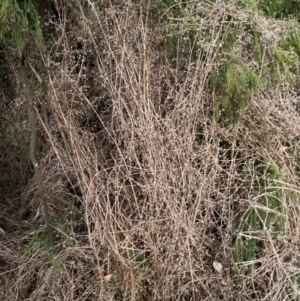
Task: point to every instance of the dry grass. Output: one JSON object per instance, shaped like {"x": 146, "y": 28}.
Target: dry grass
{"x": 159, "y": 203}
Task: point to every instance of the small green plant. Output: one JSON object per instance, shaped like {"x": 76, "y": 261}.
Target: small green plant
{"x": 135, "y": 255}
{"x": 293, "y": 288}
{"x": 44, "y": 239}
{"x": 138, "y": 258}
{"x": 233, "y": 85}
{"x": 263, "y": 220}
{"x": 48, "y": 238}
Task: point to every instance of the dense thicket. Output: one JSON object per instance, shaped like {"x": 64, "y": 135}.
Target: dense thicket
{"x": 149, "y": 150}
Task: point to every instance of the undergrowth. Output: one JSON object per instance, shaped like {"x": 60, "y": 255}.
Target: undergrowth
{"x": 166, "y": 151}
{"x": 264, "y": 221}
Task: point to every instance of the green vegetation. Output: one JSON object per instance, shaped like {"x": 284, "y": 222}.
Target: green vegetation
{"x": 233, "y": 82}
{"x": 236, "y": 84}
{"x": 19, "y": 22}
{"x": 280, "y": 8}
{"x": 263, "y": 220}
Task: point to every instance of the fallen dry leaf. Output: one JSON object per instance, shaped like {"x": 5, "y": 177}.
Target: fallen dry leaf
{"x": 107, "y": 277}
{"x": 91, "y": 192}
{"x": 217, "y": 266}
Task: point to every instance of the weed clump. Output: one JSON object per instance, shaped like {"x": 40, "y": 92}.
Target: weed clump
{"x": 166, "y": 151}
